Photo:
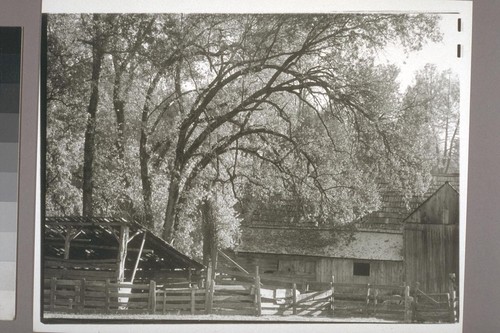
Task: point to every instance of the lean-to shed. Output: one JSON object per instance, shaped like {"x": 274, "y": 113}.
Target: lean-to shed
{"x": 100, "y": 248}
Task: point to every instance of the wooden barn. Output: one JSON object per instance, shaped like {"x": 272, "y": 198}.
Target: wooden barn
{"x": 431, "y": 241}
{"x": 315, "y": 254}
{"x": 415, "y": 241}
{"x": 102, "y": 248}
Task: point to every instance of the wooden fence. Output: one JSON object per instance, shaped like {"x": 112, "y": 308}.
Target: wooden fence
{"x": 241, "y": 293}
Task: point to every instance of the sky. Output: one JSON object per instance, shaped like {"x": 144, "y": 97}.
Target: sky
{"x": 443, "y": 54}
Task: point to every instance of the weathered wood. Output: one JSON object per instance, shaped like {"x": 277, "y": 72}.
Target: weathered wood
{"x": 210, "y": 288}
{"x": 294, "y": 298}
{"x": 107, "y": 300}
{"x": 408, "y": 305}
{"x": 82, "y": 294}
{"x": 152, "y": 298}
{"x": 193, "y": 299}
{"x": 53, "y": 286}
{"x": 257, "y": 292}
{"x": 225, "y": 256}
{"x": 138, "y": 259}
{"x": 332, "y": 299}
{"x": 122, "y": 252}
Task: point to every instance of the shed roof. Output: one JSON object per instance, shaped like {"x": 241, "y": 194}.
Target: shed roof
{"x": 323, "y": 243}
{"x": 97, "y": 232}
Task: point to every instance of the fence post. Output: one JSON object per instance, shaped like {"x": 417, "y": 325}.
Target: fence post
{"x": 332, "y": 299}
{"x": 82, "y": 295}
{"x": 368, "y": 290}
{"x": 164, "y": 309}
{"x": 152, "y": 297}
{"x": 106, "y": 292}
{"x": 408, "y": 305}
{"x": 257, "y": 292}
{"x": 209, "y": 290}
{"x": 452, "y": 298}
{"x": 53, "y": 287}
{"x": 193, "y": 298}
{"x": 294, "y": 301}
{"x": 375, "y": 295}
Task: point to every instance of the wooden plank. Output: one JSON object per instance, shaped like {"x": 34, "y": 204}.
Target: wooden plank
{"x": 222, "y": 298}
{"x": 258, "y": 299}
{"x": 314, "y": 296}
{"x": 232, "y": 288}
{"x": 235, "y": 305}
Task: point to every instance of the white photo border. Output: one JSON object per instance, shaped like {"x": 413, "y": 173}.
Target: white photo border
{"x": 463, "y": 8}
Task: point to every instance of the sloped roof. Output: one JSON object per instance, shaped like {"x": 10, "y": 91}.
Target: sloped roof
{"x": 442, "y": 206}
{"x": 394, "y": 210}
{"x": 323, "y": 243}
{"x": 96, "y": 231}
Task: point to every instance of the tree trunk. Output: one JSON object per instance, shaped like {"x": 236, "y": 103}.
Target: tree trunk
{"x": 89, "y": 145}
{"x": 145, "y": 178}
{"x": 173, "y": 199}
{"x": 209, "y": 229}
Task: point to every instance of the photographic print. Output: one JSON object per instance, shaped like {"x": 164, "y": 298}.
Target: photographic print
{"x": 203, "y": 167}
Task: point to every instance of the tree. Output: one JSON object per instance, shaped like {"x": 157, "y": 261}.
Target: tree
{"x": 435, "y": 98}
{"x": 266, "y": 61}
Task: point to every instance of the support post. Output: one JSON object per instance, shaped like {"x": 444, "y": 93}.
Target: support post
{"x": 452, "y": 298}
{"x": 408, "y": 305}
{"x": 152, "y": 297}
{"x": 122, "y": 252}
{"x": 141, "y": 248}
{"x": 53, "y": 287}
{"x": 193, "y": 299}
{"x": 294, "y": 300}
{"x": 257, "y": 292}
{"x": 368, "y": 291}
{"x": 106, "y": 293}
{"x": 209, "y": 291}
{"x": 332, "y": 299}
{"x": 82, "y": 295}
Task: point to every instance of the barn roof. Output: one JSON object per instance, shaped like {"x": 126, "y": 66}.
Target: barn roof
{"x": 443, "y": 202}
{"x": 97, "y": 232}
{"x": 323, "y": 243}
{"x": 394, "y": 209}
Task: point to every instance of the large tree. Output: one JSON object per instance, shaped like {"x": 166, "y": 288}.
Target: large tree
{"x": 197, "y": 114}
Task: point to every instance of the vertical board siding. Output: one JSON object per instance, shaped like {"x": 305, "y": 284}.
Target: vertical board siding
{"x": 431, "y": 255}
{"x": 321, "y": 269}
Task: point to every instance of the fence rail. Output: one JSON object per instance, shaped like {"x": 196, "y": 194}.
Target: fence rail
{"x": 239, "y": 293}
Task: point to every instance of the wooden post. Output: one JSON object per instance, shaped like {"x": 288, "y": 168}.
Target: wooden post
{"x": 164, "y": 309}
{"x": 332, "y": 299}
{"x": 82, "y": 295}
{"x": 106, "y": 292}
{"x": 368, "y": 290}
{"x": 408, "y": 305}
{"x": 53, "y": 287}
{"x": 294, "y": 300}
{"x": 193, "y": 299}
{"x": 257, "y": 292}
{"x": 152, "y": 297}
{"x": 452, "y": 296}
{"x": 141, "y": 248}
{"x": 209, "y": 289}
{"x": 375, "y": 295}
{"x": 122, "y": 253}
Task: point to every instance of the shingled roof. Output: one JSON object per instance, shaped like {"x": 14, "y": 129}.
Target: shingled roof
{"x": 96, "y": 231}
{"x": 394, "y": 209}
{"x": 323, "y": 243}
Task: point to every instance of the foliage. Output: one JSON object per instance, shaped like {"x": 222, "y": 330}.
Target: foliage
{"x": 240, "y": 108}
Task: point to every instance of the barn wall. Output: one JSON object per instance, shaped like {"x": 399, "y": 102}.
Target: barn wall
{"x": 322, "y": 269}
{"x": 431, "y": 252}
{"x": 381, "y": 272}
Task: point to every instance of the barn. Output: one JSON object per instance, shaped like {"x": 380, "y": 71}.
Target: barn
{"x": 403, "y": 241}
{"x": 110, "y": 248}
{"x": 315, "y": 254}
{"x": 431, "y": 241}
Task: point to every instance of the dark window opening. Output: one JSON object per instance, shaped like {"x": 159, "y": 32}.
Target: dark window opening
{"x": 361, "y": 269}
